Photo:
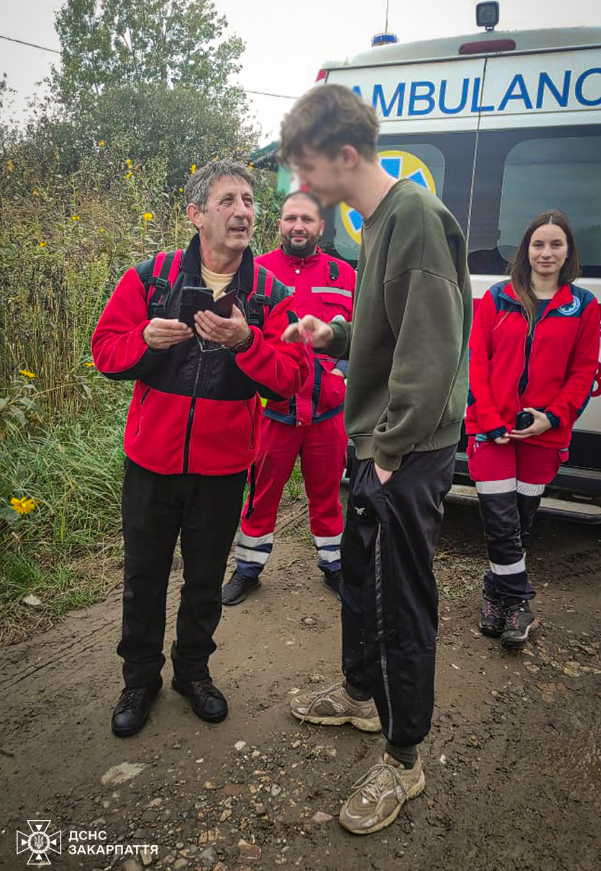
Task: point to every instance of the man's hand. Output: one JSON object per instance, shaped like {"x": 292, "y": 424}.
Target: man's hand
{"x": 502, "y": 440}
{"x": 162, "y": 333}
{"x": 382, "y": 474}
{"x": 338, "y": 372}
{"x": 309, "y": 331}
{"x": 541, "y": 424}
{"x": 223, "y": 331}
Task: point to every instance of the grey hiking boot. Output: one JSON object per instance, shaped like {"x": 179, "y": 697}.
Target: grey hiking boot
{"x": 519, "y": 623}
{"x": 379, "y": 795}
{"x": 238, "y": 588}
{"x": 334, "y": 707}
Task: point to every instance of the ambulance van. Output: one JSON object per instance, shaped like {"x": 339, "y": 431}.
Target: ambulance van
{"x": 500, "y": 126}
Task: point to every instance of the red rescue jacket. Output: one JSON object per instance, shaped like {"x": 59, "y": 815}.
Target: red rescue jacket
{"x": 324, "y": 287}
{"x": 193, "y": 412}
{"x": 552, "y": 370}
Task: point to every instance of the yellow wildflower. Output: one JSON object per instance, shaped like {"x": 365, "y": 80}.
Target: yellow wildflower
{"x": 101, "y": 230}
{"x": 10, "y": 166}
{"x": 75, "y": 217}
{"x": 89, "y": 365}
{"x": 42, "y": 244}
{"x": 27, "y": 373}
{"x": 128, "y": 175}
{"x": 24, "y": 505}
{"x": 148, "y": 216}
{"x": 181, "y": 190}
{"x": 101, "y": 143}
{"x": 193, "y": 168}
{"x": 128, "y": 161}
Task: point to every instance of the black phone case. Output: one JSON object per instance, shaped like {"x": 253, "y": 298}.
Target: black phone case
{"x": 194, "y": 299}
{"x": 224, "y": 305}
{"x": 523, "y": 420}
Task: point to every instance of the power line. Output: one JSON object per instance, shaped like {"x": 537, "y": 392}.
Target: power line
{"x": 30, "y": 44}
{"x": 265, "y": 94}
{"x": 54, "y": 51}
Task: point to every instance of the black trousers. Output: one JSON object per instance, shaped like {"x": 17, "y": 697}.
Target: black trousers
{"x": 389, "y": 594}
{"x": 156, "y": 509}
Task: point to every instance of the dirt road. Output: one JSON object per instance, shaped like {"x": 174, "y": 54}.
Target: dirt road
{"x": 513, "y": 763}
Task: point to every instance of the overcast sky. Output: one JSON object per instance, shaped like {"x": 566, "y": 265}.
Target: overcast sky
{"x": 286, "y": 43}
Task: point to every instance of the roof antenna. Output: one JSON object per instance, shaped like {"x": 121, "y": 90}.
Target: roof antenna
{"x": 384, "y": 38}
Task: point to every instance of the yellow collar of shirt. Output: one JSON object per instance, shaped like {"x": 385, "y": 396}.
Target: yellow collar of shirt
{"x": 216, "y": 281}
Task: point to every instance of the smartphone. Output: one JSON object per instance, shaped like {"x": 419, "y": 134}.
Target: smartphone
{"x": 524, "y": 419}
{"x": 194, "y": 299}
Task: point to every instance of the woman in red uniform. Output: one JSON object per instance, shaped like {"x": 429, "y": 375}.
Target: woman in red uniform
{"x": 534, "y": 350}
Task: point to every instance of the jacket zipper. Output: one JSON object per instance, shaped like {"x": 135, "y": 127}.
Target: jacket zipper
{"x": 191, "y": 413}
{"x": 144, "y": 395}
{"x": 252, "y": 428}
{"x": 527, "y": 371}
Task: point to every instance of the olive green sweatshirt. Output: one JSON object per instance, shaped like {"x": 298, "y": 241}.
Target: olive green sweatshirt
{"x": 407, "y": 344}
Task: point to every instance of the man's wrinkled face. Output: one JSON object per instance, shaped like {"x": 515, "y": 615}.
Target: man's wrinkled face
{"x": 300, "y": 226}
{"x": 227, "y": 222}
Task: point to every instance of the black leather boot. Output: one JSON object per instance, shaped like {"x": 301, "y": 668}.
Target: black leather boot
{"x": 205, "y": 699}
{"x": 132, "y": 709}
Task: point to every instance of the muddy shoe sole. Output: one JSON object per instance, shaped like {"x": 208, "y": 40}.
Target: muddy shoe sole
{"x": 362, "y": 723}
{"x": 489, "y": 631}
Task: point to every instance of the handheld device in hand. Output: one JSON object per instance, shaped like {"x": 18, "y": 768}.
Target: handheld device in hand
{"x": 224, "y": 305}
{"x": 199, "y": 299}
{"x": 524, "y": 419}
{"x": 194, "y": 299}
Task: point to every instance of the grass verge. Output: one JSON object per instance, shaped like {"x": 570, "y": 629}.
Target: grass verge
{"x": 67, "y": 551}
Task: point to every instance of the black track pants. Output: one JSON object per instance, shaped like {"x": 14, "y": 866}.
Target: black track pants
{"x": 205, "y": 511}
{"x": 389, "y": 594}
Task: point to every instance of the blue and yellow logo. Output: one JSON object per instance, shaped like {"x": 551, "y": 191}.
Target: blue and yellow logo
{"x": 398, "y": 164}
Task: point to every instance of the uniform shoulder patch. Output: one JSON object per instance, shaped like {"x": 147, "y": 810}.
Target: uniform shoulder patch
{"x": 570, "y": 308}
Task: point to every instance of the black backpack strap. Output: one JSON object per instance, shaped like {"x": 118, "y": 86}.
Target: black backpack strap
{"x": 259, "y": 300}
{"x": 158, "y": 287}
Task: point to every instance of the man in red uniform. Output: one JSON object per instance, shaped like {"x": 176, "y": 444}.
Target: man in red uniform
{"x": 311, "y": 423}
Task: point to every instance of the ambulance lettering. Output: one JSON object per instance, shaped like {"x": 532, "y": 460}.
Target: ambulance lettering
{"x": 545, "y": 93}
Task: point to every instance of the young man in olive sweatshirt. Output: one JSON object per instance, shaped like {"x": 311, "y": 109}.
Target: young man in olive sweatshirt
{"x": 406, "y": 396}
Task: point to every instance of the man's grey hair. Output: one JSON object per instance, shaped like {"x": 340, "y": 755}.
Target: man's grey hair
{"x": 198, "y": 186}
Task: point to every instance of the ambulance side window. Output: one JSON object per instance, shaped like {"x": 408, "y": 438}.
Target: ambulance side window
{"x": 523, "y": 172}
{"x": 564, "y": 174}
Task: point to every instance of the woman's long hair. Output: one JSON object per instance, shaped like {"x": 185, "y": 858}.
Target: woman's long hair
{"x": 521, "y": 271}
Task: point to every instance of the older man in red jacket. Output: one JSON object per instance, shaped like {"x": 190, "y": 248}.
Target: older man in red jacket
{"x": 309, "y": 425}
{"x": 193, "y": 428}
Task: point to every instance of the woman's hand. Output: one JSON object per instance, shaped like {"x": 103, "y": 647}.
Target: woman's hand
{"x": 541, "y": 424}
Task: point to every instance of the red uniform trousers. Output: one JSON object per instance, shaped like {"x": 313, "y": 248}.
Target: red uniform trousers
{"x": 322, "y": 449}
{"x": 510, "y": 480}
